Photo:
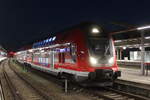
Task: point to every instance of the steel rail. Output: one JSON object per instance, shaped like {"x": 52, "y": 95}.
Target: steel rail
{"x": 13, "y": 89}
{"x": 44, "y": 96}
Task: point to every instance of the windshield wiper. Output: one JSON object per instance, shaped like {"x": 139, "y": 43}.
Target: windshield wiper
{"x": 106, "y": 50}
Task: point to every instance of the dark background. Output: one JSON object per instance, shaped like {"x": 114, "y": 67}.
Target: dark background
{"x": 22, "y": 22}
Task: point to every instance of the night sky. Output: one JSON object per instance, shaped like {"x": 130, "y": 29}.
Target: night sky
{"x": 22, "y": 22}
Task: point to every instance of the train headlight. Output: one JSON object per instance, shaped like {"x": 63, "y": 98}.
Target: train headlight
{"x": 93, "y": 60}
{"x": 111, "y": 60}
{"x": 95, "y": 30}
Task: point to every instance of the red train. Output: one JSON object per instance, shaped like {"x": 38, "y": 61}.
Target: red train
{"x": 85, "y": 53}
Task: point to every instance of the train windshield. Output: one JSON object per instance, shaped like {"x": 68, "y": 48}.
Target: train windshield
{"x": 100, "y": 46}
{"x": 101, "y": 49}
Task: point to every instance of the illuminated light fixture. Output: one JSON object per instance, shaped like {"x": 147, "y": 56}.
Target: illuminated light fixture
{"x": 146, "y": 44}
{"x": 18, "y": 53}
{"x": 50, "y": 39}
{"x": 93, "y": 60}
{"x": 140, "y": 48}
{"x": 147, "y": 37}
{"x": 42, "y": 43}
{"x": 62, "y": 50}
{"x": 30, "y": 50}
{"x": 95, "y": 30}
{"x": 118, "y": 41}
{"x": 42, "y": 50}
{"x": 124, "y": 48}
{"x": 46, "y": 47}
{"x": 143, "y": 27}
{"x": 46, "y": 40}
{"x": 111, "y": 60}
{"x": 54, "y": 38}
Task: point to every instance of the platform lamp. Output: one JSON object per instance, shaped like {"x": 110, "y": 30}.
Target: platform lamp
{"x": 141, "y": 29}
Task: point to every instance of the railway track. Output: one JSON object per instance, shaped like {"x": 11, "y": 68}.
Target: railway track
{"x": 111, "y": 94}
{"x": 8, "y": 90}
{"x": 44, "y": 96}
{"x": 1, "y": 92}
{"x": 13, "y": 89}
{"x": 100, "y": 93}
{"x": 19, "y": 87}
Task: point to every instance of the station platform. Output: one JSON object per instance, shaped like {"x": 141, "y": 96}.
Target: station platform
{"x": 133, "y": 81}
{"x": 134, "y": 75}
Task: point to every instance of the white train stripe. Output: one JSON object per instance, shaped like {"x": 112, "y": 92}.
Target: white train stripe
{"x": 56, "y": 71}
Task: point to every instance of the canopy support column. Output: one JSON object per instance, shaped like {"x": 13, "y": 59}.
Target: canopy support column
{"x": 142, "y": 53}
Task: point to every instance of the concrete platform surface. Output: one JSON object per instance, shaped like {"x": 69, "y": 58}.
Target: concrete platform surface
{"x": 134, "y": 75}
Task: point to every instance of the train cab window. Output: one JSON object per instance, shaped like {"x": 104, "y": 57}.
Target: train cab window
{"x": 100, "y": 46}
{"x": 102, "y": 50}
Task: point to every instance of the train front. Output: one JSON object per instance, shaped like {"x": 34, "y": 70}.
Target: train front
{"x": 102, "y": 59}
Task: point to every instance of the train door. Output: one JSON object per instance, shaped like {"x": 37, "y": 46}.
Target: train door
{"x": 61, "y": 56}
{"x": 51, "y": 58}
{"x": 67, "y": 55}
{"x": 70, "y": 54}
{"x": 73, "y": 54}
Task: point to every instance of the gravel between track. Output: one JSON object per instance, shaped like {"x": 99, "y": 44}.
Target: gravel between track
{"x": 23, "y": 89}
{"x": 52, "y": 89}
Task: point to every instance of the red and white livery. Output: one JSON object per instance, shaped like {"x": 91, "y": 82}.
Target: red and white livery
{"x": 84, "y": 52}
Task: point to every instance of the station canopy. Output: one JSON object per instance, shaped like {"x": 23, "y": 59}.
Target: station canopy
{"x": 131, "y": 37}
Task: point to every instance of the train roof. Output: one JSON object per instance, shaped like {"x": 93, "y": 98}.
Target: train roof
{"x": 81, "y": 25}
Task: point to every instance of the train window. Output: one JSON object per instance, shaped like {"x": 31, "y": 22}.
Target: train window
{"x": 73, "y": 53}
{"x": 59, "y": 55}
{"x": 102, "y": 50}
{"x": 63, "y": 57}
{"x": 29, "y": 57}
{"x": 56, "y": 57}
{"x": 100, "y": 46}
{"x": 68, "y": 58}
{"x": 36, "y": 56}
